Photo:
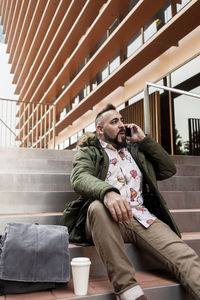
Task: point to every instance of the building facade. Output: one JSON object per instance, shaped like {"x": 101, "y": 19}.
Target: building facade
{"x": 70, "y": 58}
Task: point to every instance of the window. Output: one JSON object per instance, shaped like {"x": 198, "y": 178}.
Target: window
{"x": 63, "y": 114}
{"x": 114, "y": 63}
{"x": 61, "y": 146}
{"x": 73, "y": 139}
{"x": 154, "y": 89}
{"x": 66, "y": 143}
{"x": 90, "y": 128}
{"x": 80, "y": 133}
{"x": 104, "y": 72}
{"x": 132, "y": 4}
{"x": 186, "y": 108}
{"x": 100, "y": 43}
{"x": 134, "y": 44}
{"x": 94, "y": 85}
{"x": 157, "y": 22}
{"x": 188, "y": 70}
{"x": 180, "y": 6}
{"x": 86, "y": 90}
{"x": 136, "y": 98}
{"x": 120, "y": 107}
{"x": 113, "y": 26}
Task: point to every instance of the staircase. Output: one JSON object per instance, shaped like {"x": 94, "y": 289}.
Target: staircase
{"x": 34, "y": 187}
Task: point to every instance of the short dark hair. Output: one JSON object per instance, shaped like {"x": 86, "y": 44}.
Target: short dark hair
{"x": 107, "y": 108}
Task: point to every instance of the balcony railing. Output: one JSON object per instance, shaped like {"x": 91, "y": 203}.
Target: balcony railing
{"x": 27, "y": 125}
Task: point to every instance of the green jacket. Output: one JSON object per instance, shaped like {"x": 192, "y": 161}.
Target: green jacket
{"x": 88, "y": 180}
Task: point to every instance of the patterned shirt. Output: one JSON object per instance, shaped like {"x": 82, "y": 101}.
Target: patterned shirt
{"x": 125, "y": 175}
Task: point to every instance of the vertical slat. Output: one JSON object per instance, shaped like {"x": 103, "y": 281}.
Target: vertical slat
{"x": 41, "y": 134}
{"x": 54, "y": 126}
{"x": 32, "y": 135}
{"x": 45, "y": 125}
{"x": 20, "y": 123}
{"x": 37, "y": 125}
{"x": 23, "y": 139}
{"x": 49, "y": 138}
{"x": 28, "y": 125}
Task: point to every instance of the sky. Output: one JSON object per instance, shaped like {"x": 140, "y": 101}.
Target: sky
{"x": 6, "y": 87}
{"x": 7, "y": 113}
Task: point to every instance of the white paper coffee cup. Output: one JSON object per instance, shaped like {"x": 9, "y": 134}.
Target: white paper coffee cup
{"x": 80, "y": 273}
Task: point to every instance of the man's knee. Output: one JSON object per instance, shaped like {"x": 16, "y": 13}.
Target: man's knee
{"x": 98, "y": 210}
{"x": 96, "y": 207}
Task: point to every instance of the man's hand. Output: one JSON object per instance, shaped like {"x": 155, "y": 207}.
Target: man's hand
{"x": 119, "y": 208}
{"x": 137, "y": 133}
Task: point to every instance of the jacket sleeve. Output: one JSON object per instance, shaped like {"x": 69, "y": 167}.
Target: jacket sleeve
{"x": 162, "y": 162}
{"x": 84, "y": 177}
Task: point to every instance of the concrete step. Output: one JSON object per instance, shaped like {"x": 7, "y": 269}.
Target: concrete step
{"x": 26, "y": 166}
{"x": 29, "y": 153}
{"x": 34, "y": 202}
{"x": 188, "y": 220}
{"x": 188, "y": 170}
{"x": 180, "y": 183}
{"x": 141, "y": 260}
{"x": 35, "y": 182}
{"x": 186, "y": 159}
{"x": 193, "y": 240}
{"x": 182, "y": 199}
{"x": 40, "y": 218}
{"x": 156, "y": 285}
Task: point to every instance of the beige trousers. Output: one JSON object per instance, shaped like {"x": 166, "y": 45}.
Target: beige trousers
{"x": 159, "y": 240}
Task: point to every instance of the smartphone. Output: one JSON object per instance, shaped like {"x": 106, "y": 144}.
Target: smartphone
{"x": 128, "y": 131}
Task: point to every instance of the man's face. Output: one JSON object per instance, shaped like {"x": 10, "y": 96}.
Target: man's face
{"x": 112, "y": 129}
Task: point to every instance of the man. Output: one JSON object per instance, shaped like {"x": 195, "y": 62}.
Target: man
{"x": 116, "y": 178}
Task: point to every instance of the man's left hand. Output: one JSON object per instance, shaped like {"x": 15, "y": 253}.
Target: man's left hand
{"x": 137, "y": 133}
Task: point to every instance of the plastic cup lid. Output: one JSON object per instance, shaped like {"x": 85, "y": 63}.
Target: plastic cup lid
{"x": 80, "y": 261}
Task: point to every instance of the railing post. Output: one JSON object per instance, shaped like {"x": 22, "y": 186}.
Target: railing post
{"x": 49, "y": 135}
{"x": 45, "y": 126}
{"x": 147, "y": 124}
{"x": 37, "y": 126}
{"x": 54, "y": 126}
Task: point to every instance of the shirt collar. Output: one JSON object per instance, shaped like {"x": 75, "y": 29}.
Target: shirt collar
{"x": 109, "y": 146}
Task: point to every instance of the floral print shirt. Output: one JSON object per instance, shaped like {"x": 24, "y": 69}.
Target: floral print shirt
{"x": 125, "y": 175}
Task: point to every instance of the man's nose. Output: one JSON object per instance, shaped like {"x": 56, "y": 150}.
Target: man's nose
{"x": 121, "y": 124}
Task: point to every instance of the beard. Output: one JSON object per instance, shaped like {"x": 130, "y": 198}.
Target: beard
{"x": 115, "y": 140}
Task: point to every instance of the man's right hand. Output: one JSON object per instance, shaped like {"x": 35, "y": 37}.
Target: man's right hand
{"x": 117, "y": 205}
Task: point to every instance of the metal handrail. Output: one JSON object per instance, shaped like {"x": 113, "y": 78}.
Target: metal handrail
{"x": 8, "y": 127}
{"x": 146, "y": 101}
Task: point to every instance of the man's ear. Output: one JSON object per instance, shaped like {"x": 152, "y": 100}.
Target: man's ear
{"x": 99, "y": 129}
